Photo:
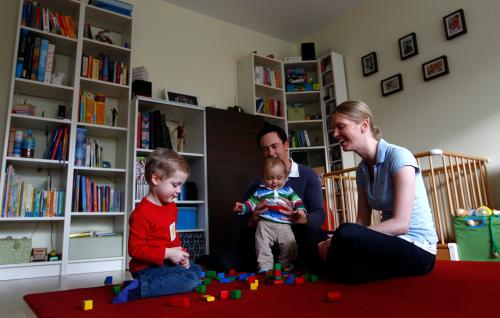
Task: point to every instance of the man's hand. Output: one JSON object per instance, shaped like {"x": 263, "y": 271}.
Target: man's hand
{"x": 323, "y": 247}
{"x": 176, "y": 255}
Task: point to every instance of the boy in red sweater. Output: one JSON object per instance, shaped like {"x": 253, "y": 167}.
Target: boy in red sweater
{"x": 159, "y": 265}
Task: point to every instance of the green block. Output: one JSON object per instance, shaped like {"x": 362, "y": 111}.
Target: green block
{"x": 211, "y": 274}
{"x": 313, "y": 278}
{"x": 116, "y": 289}
{"x": 207, "y": 281}
{"x": 236, "y": 294}
{"x": 201, "y": 289}
{"x": 277, "y": 266}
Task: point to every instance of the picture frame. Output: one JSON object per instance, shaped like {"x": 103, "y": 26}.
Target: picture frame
{"x": 435, "y": 68}
{"x": 392, "y": 84}
{"x": 369, "y": 64}
{"x": 454, "y": 24}
{"x": 408, "y": 46}
{"x": 182, "y": 98}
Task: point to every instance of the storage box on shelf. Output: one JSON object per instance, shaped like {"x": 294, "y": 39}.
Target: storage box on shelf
{"x": 37, "y": 181}
{"x": 334, "y": 92}
{"x": 305, "y": 117}
{"x": 152, "y": 125}
{"x": 260, "y": 88}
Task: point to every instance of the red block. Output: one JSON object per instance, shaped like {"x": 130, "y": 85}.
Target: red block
{"x": 224, "y": 294}
{"x": 232, "y": 272}
{"x": 179, "y": 302}
{"x": 277, "y": 282}
{"x": 299, "y": 280}
{"x": 277, "y": 272}
{"x": 252, "y": 279}
{"x": 333, "y": 296}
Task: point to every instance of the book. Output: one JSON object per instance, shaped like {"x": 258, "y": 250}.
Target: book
{"x": 44, "y": 47}
{"x": 36, "y": 59}
{"x": 80, "y": 148}
{"x": 145, "y": 130}
{"x": 50, "y": 63}
{"x": 100, "y": 106}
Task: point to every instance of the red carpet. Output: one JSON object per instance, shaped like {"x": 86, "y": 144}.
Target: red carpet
{"x": 458, "y": 289}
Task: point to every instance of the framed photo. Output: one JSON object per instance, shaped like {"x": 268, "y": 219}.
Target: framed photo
{"x": 408, "y": 46}
{"x": 369, "y": 64}
{"x": 391, "y": 84}
{"x": 435, "y": 68}
{"x": 454, "y": 24}
{"x": 181, "y": 98}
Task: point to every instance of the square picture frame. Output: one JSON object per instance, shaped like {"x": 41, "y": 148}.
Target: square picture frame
{"x": 408, "y": 46}
{"x": 454, "y": 24}
{"x": 435, "y": 68}
{"x": 181, "y": 98}
{"x": 392, "y": 84}
{"x": 369, "y": 64}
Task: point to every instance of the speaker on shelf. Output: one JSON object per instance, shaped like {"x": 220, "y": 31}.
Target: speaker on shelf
{"x": 142, "y": 88}
{"x": 307, "y": 51}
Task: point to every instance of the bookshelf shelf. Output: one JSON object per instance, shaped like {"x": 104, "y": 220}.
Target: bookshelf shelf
{"x": 35, "y": 122}
{"x": 102, "y": 259}
{"x": 51, "y": 101}
{"x": 64, "y": 44}
{"x": 194, "y": 152}
{"x": 305, "y": 123}
{"x": 40, "y": 89}
{"x": 266, "y": 89}
{"x": 302, "y": 96}
{"x": 36, "y": 163}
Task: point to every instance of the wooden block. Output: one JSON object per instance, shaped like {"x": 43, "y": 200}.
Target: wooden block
{"x": 277, "y": 266}
{"x": 290, "y": 280}
{"x": 252, "y": 279}
{"x": 87, "y": 304}
{"x": 108, "y": 280}
{"x": 277, "y": 282}
{"x": 207, "y": 281}
{"x": 201, "y": 289}
{"x": 179, "y": 302}
{"x": 208, "y": 298}
{"x": 254, "y": 286}
{"x": 299, "y": 280}
{"x": 224, "y": 294}
{"x": 211, "y": 274}
{"x": 333, "y": 296}
{"x": 236, "y": 294}
{"x": 116, "y": 289}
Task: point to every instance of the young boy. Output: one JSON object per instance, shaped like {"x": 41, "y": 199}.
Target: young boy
{"x": 159, "y": 265}
{"x": 272, "y": 228}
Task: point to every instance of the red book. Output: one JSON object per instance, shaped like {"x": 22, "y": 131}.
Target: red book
{"x": 56, "y": 143}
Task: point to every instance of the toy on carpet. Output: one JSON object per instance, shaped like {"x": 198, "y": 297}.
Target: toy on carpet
{"x": 208, "y": 298}
{"x": 333, "y": 296}
{"x": 87, "y": 304}
{"x": 108, "y": 280}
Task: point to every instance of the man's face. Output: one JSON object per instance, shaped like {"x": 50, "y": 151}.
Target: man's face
{"x": 272, "y": 146}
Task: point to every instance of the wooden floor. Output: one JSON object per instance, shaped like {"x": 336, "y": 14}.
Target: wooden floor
{"x": 12, "y": 304}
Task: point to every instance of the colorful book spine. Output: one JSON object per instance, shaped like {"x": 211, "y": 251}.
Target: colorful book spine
{"x": 49, "y": 66}
{"x": 80, "y": 148}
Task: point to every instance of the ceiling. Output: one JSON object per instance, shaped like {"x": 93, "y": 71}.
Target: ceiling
{"x": 289, "y": 20}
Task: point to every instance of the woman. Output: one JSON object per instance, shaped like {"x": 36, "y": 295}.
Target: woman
{"x": 388, "y": 179}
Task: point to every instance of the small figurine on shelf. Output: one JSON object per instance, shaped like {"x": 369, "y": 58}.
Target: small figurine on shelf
{"x": 58, "y": 78}
{"x": 114, "y": 113}
{"x": 181, "y": 136}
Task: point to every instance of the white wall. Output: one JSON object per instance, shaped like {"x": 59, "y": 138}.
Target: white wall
{"x": 457, "y": 112}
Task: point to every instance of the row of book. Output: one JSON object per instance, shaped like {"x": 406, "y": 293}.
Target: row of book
{"x": 88, "y": 151}
{"x": 40, "y": 18}
{"x": 113, "y": 5}
{"x": 141, "y": 186}
{"x": 88, "y": 196}
{"x": 57, "y": 148}
{"x": 299, "y": 138}
{"x": 267, "y": 76}
{"x": 35, "y": 58}
{"x": 104, "y": 69}
{"x": 269, "y": 106}
{"x": 153, "y": 130}
{"x": 22, "y": 199}
{"x": 91, "y": 108}
{"x": 325, "y": 65}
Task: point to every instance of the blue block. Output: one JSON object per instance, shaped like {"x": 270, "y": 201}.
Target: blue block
{"x": 203, "y": 274}
{"x": 242, "y": 277}
{"x": 220, "y": 275}
{"x": 289, "y": 280}
{"x": 187, "y": 218}
{"x": 108, "y": 280}
{"x": 225, "y": 280}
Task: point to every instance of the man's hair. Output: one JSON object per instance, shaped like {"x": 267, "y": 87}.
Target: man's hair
{"x": 164, "y": 163}
{"x": 269, "y": 128}
{"x": 272, "y": 162}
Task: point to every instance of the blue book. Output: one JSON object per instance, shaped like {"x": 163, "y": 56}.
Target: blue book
{"x": 83, "y": 191}
{"x": 44, "y": 46}
{"x": 80, "y": 148}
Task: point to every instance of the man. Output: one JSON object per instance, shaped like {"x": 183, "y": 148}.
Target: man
{"x": 273, "y": 142}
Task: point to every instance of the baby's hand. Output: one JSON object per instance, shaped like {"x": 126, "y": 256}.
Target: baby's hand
{"x": 238, "y": 207}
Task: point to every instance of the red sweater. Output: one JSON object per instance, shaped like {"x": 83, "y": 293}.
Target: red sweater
{"x": 152, "y": 229}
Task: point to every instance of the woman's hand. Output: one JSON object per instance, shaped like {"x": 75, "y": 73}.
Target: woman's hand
{"x": 298, "y": 216}
{"x": 323, "y": 247}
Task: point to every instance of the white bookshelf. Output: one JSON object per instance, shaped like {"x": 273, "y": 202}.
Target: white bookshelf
{"x": 194, "y": 152}
{"x": 334, "y": 92}
{"x": 52, "y": 232}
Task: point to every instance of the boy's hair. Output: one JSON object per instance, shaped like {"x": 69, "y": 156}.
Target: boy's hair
{"x": 268, "y": 128}
{"x": 272, "y": 162}
{"x": 164, "y": 162}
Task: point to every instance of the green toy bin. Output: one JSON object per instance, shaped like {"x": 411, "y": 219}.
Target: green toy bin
{"x": 478, "y": 242}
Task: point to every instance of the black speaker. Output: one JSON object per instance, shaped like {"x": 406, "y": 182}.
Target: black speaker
{"x": 142, "y": 88}
{"x": 307, "y": 51}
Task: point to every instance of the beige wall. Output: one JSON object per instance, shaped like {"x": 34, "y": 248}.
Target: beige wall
{"x": 457, "y": 112}
{"x": 187, "y": 51}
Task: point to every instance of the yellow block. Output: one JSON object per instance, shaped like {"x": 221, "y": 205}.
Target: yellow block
{"x": 254, "y": 286}
{"x": 208, "y": 298}
{"x": 88, "y": 304}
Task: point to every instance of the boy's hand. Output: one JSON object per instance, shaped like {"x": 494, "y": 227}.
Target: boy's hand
{"x": 238, "y": 207}
{"x": 176, "y": 255}
{"x": 185, "y": 263}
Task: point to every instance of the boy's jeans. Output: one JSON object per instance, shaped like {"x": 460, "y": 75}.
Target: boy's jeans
{"x": 168, "y": 279}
